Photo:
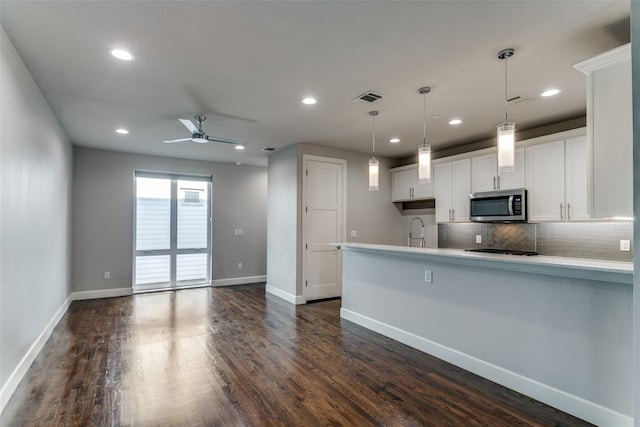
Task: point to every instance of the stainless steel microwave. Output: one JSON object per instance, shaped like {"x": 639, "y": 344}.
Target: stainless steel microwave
{"x": 498, "y": 206}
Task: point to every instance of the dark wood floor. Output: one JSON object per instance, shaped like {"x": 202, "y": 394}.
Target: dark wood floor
{"x": 230, "y": 356}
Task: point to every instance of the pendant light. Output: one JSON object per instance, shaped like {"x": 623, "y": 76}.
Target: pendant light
{"x": 374, "y": 163}
{"x": 506, "y": 130}
{"x": 424, "y": 150}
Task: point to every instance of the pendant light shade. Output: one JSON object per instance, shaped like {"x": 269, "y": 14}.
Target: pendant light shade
{"x": 424, "y": 164}
{"x": 374, "y": 163}
{"x": 424, "y": 150}
{"x": 374, "y": 174}
{"x": 507, "y": 130}
{"x": 506, "y": 146}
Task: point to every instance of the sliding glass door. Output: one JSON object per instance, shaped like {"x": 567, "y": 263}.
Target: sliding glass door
{"x": 172, "y": 231}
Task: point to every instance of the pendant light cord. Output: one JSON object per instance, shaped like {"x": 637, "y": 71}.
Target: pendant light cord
{"x": 373, "y": 131}
{"x": 505, "y": 89}
{"x": 424, "y": 119}
{"x": 373, "y": 115}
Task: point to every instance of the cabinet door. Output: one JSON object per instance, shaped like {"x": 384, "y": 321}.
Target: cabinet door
{"x": 423, "y": 191}
{"x": 461, "y": 179}
{"x": 515, "y": 178}
{"x": 545, "y": 181}
{"x": 576, "y": 178}
{"x": 402, "y": 182}
{"x": 612, "y": 128}
{"x": 442, "y": 187}
{"x": 484, "y": 173}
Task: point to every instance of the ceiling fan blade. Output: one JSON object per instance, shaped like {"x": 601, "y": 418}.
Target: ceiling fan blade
{"x": 225, "y": 141}
{"x": 189, "y": 125}
{"x": 177, "y": 140}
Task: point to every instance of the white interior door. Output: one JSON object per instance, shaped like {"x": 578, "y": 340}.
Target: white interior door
{"x": 323, "y": 226}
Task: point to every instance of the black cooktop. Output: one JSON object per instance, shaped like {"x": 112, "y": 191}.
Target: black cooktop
{"x": 503, "y": 251}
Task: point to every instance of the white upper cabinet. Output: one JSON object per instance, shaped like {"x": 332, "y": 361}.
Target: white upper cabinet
{"x": 609, "y": 120}
{"x": 577, "y": 178}
{"x": 484, "y": 173}
{"x": 515, "y": 178}
{"x": 485, "y": 176}
{"x": 545, "y": 181}
{"x": 557, "y": 174}
{"x": 406, "y": 187}
{"x": 452, "y": 185}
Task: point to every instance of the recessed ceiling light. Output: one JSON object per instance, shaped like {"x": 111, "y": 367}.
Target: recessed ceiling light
{"x": 394, "y": 140}
{"x": 550, "y": 92}
{"x": 455, "y": 121}
{"x": 122, "y": 131}
{"x": 122, "y": 54}
{"x": 309, "y": 101}
{"x": 435, "y": 116}
{"x": 239, "y": 147}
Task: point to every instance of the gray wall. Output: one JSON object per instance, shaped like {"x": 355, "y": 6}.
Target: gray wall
{"x": 534, "y": 330}
{"x": 371, "y": 214}
{"x": 282, "y": 220}
{"x": 103, "y": 216}
{"x": 35, "y": 198}
{"x": 635, "y": 73}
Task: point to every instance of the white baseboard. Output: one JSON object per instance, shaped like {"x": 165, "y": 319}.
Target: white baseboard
{"x": 102, "y": 293}
{"x": 571, "y": 404}
{"x": 19, "y": 372}
{"x": 293, "y": 299}
{"x": 238, "y": 281}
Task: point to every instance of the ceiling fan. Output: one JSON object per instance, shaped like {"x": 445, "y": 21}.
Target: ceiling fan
{"x": 198, "y": 135}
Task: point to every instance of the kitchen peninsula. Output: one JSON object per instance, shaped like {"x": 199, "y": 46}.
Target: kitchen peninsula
{"x": 554, "y": 328}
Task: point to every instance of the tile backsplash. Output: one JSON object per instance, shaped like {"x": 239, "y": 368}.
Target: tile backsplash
{"x": 594, "y": 240}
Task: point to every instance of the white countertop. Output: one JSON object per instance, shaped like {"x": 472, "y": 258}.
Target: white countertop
{"x": 592, "y": 269}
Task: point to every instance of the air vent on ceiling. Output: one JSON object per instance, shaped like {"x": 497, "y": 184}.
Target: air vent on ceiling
{"x": 518, "y": 99}
{"x": 268, "y": 149}
{"x": 368, "y": 97}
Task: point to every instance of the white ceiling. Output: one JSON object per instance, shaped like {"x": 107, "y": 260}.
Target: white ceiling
{"x": 248, "y": 64}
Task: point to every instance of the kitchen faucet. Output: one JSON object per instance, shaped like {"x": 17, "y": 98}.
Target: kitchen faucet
{"x": 411, "y": 238}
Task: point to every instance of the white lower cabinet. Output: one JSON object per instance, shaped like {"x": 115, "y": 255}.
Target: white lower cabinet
{"x": 557, "y": 180}
{"x": 452, "y": 185}
{"x": 405, "y": 185}
{"x": 485, "y": 176}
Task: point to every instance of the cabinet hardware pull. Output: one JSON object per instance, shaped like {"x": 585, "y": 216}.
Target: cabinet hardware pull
{"x": 494, "y": 183}
{"x": 561, "y": 212}
{"x": 568, "y": 211}
{"x": 453, "y": 214}
{"x": 498, "y": 183}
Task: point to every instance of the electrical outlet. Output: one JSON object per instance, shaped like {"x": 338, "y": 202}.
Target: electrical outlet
{"x": 354, "y": 233}
{"x": 478, "y": 238}
{"x": 239, "y": 266}
{"x": 625, "y": 245}
{"x": 428, "y": 276}
{"x": 107, "y": 275}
